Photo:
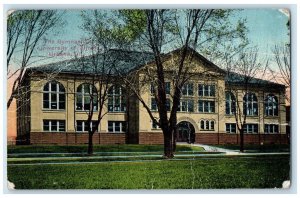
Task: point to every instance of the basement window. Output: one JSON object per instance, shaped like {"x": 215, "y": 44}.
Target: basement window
{"x": 54, "y": 125}
{"x": 116, "y": 126}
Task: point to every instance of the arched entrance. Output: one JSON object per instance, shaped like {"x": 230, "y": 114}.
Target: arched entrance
{"x": 185, "y": 132}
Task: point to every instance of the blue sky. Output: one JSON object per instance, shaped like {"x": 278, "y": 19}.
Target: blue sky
{"x": 267, "y": 27}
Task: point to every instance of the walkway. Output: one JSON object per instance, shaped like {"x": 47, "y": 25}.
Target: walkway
{"x": 211, "y": 152}
{"x": 210, "y": 148}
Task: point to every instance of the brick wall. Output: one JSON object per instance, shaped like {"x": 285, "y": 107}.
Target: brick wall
{"x": 221, "y": 138}
{"x": 151, "y": 138}
{"x": 75, "y": 138}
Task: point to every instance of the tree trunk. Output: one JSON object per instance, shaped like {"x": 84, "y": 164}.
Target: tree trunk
{"x": 90, "y": 146}
{"x": 9, "y": 101}
{"x": 174, "y": 140}
{"x": 168, "y": 145}
{"x": 242, "y": 140}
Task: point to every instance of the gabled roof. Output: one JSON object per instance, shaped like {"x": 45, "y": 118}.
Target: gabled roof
{"x": 207, "y": 63}
{"x": 233, "y": 78}
{"x": 127, "y": 61}
{"x": 123, "y": 60}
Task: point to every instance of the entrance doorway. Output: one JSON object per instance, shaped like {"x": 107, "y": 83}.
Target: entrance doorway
{"x": 185, "y": 132}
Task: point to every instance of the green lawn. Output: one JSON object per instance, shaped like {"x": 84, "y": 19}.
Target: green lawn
{"x": 97, "y": 148}
{"x": 227, "y": 172}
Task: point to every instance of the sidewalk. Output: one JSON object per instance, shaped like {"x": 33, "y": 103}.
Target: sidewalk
{"x": 210, "y": 148}
{"x": 217, "y": 149}
{"x": 211, "y": 152}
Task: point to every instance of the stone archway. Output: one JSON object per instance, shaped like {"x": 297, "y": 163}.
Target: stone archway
{"x": 185, "y": 132}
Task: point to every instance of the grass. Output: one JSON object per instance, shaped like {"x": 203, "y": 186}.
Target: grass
{"x": 258, "y": 148}
{"x": 216, "y": 173}
{"x": 97, "y": 148}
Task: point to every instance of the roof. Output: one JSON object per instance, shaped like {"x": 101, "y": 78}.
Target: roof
{"x": 233, "y": 78}
{"x": 127, "y": 61}
{"x": 124, "y": 60}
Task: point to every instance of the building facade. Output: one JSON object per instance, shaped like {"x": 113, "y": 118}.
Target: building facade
{"x": 56, "y": 97}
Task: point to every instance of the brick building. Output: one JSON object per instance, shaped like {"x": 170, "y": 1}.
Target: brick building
{"x": 55, "y": 97}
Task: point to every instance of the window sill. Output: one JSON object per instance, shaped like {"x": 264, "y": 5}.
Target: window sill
{"x": 188, "y": 96}
{"x": 207, "y": 97}
{"x": 206, "y": 112}
{"x": 271, "y": 116}
{"x": 117, "y": 132}
{"x": 54, "y": 131}
{"x": 251, "y": 133}
{"x": 230, "y": 115}
{"x": 53, "y": 110}
{"x": 84, "y": 111}
{"x": 271, "y": 133}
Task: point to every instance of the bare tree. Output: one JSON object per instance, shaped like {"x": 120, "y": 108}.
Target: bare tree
{"x": 95, "y": 86}
{"x": 282, "y": 73}
{"x": 99, "y": 64}
{"x": 243, "y": 71}
{"x": 25, "y": 29}
{"x": 173, "y": 29}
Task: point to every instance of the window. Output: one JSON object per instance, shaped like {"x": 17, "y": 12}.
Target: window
{"x": 206, "y": 90}
{"x": 116, "y": 126}
{"x": 168, "y": 104}
{"x": 250, "y": 104}
{"x": 251, "y": 128}
{"x": 206, "y": 106}
{"x": 187, "y": 89}
{"x": 154, "y": 105}
{"x": 167, "y": 88}
{"x": 154, "y": 125}
{"x": 54, "y": 96}
{"x": 84, "y": 126}
{"x": 230, "y": 127}
{"x": 116, "y": 99}
{"x": 186, "y": 106}
{"x": 271, "y": 105}
{"x": 208, "y": 125}
{"x": 230, "y": 103}
{"x": 271, "y": 128}
{"x": 86, "y": 94}
{"x": 54, "y": 125}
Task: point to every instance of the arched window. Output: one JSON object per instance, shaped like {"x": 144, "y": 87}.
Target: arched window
{"x": 212, "y": 125}
{"x": 85, "y": 95}
{"x": 207, "y": 125}
{"x": 202, "y": 124}
{"x": 116, "y": 99}
{"x": 230, "y": 103}
{"x": 54, "y": 96}
{"x": 271, "y": 105}
{"x": 250, "y": 104}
